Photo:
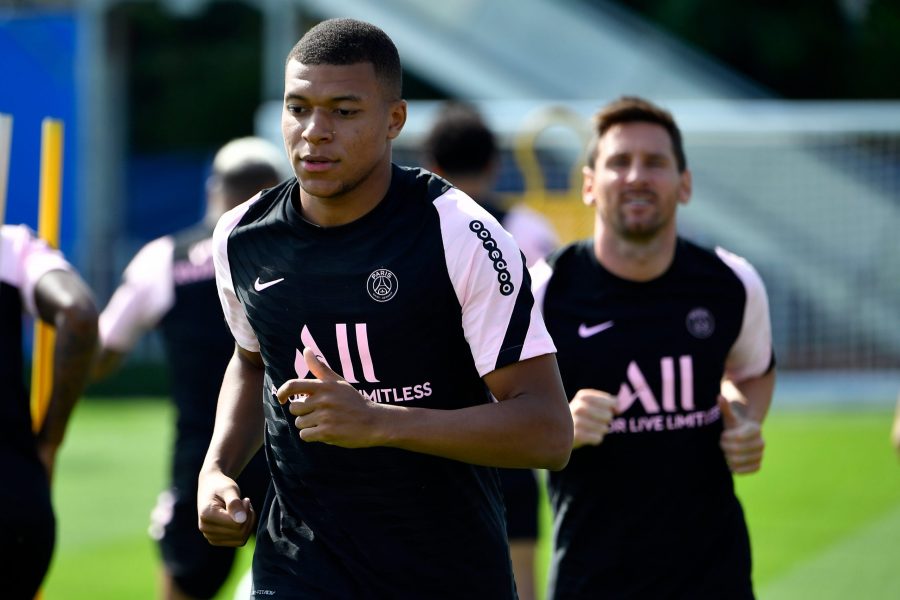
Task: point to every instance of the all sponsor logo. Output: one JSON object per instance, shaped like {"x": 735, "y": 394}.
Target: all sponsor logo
{"x": 661, "y": 413}
{"x": 361, "y": 355}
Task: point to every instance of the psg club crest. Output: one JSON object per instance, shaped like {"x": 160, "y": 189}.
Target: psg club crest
{"x": 700, "y": 323}
{"x": 382, "y": 285}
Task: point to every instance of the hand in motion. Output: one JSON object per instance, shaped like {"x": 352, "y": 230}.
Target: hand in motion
{"x": 741, "y": 440}
{"x": 592, "y": 411}
{"x": 225, "y": 518}
{"x": 330, "y": 410}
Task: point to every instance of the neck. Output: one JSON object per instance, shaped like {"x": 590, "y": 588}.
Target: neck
{"x": 346, "y": 206}
{"x": 635, "y": 260}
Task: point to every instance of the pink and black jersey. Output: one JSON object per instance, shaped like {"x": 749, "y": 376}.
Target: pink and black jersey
{"x": 170, "y": 285}
{"x": 412, "y": 303}
{"x": 651, "y": 511}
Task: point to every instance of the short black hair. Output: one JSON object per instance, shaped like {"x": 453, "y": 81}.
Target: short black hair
{"x": 634, "y": 109}
{"x": 459, "y": 142}
{"x": 348, "y": 42}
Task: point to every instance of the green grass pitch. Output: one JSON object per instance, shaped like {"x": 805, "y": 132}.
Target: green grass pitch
{"x": 824, "y": 513}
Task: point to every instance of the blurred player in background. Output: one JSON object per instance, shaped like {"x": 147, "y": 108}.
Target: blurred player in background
{"x": 170, "y": 284}
{"x": 461, "y": 148}
{"x": 36, "y": 279}
{"x": 648, "y": 325}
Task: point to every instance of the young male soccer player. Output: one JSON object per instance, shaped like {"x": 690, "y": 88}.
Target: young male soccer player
{"x": 648, "y": 325}
{"x": 410, "y": 308}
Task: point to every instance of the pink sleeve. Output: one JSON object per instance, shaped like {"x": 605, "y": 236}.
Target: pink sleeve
{"x": 24, "y": 259}
{"x": 146, "y": 294}
{"x": 501, "y": 322}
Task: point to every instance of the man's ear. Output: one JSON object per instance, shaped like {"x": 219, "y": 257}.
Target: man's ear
{"x": 587, "y": 186}
{"x": 685, "y": 187}
{"x": 397, "y": 117}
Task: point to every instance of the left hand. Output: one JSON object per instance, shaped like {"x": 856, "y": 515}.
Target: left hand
{"x": 331, "y": 410}
{"x": 741, "y": 440}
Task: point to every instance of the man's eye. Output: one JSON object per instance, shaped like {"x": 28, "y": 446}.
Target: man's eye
{"x": 295, "y": 109}
{"x": 346, "y": 112}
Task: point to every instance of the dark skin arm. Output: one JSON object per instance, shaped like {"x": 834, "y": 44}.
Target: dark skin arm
{"x": 225, "y": 518}
{"x": 106, "y": 362}
{"x": 530, "y": 426}
{"x": 64, "y": 301}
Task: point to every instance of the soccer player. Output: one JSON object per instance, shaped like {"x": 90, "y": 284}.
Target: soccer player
{"x": 36, "y": 279}
{"x": 648, "y": 325}
{"x": 410, "y": 309}
{"x": 170, "y": 284}
{"x": 461, "y": 147}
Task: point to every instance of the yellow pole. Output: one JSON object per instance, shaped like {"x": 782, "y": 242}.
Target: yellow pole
{"x": 6, "y": 123}
{"x": 48, "y": 230}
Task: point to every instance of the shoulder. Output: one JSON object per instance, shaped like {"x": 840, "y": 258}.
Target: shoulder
{"x": 24, "y": 252}
{"x": 560, "y": 266}
{"x": 574, "y": 256}
{"x": 743, "y": 270}
{"x": 418, "y": 183}
{"x": 250, "y": 212}
{"x": 700, "y": 258}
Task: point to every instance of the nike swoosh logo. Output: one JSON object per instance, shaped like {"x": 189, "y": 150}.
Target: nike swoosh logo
{"x": 585, "y": 332}
{"x": 260, "y": 286}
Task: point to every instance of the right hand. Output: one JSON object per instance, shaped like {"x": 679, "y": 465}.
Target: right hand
{"x": 224, "y": 518}
{"x": 592, "y": 411}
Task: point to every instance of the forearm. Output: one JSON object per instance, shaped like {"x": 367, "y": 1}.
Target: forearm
{"x": 240, "y": 422}
{"x": 522, "y": 432}
{"x": 106, "y": 362}
{"x": 76, "y": 341}
{"x": 753, "y": 395}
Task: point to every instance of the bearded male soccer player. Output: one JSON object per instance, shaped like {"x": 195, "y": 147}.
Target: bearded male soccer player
{"x": 388, "y": 347}
{"x": 648, "y": 325}
{"x": 36, "y": 279}
{"x": 170, "y": 284}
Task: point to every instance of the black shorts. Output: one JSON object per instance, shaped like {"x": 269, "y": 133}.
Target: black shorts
{"x": 197, "y": 567}
{"x": 520, "y": 494}
{"x": 27, "y": 535}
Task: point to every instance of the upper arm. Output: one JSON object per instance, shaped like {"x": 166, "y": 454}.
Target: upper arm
{"x": 234, "y": 312}
{"x": 61, "y": 291}
{"x": 146, "y": 294}
{"x": 751, "y": 355}
{"x": 537, "y": 376}
{"x": 501, "y": 323}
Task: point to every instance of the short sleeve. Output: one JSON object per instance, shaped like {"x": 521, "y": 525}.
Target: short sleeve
{"x": 501, "y": 322}
{"x": 24, "y": 259}
{"x": 234, "y": 312}
{"x": 146, "y": 294}
{"x": 751, "y": 354}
